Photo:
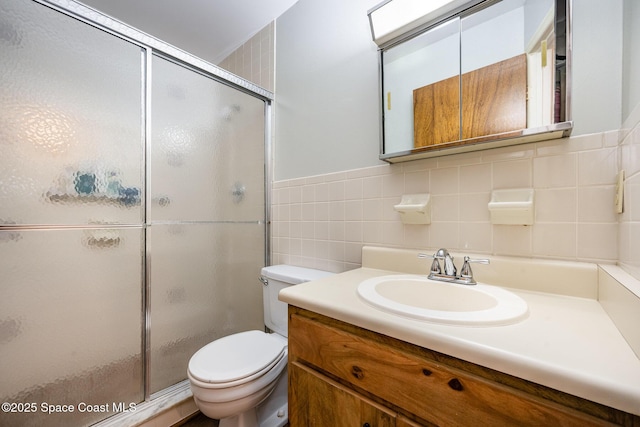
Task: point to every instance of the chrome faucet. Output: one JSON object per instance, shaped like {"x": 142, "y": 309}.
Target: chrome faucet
{"x": 450, "y": 273}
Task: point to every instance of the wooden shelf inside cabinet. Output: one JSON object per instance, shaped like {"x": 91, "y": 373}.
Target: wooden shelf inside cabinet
{"x": 485, "y": 102}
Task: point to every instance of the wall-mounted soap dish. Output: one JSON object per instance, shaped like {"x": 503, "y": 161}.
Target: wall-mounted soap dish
{"x": 415, "y": 208}
{"x": 512, "y": 206}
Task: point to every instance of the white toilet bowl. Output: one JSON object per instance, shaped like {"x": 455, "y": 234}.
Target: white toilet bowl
{"x": 241, "y": 379}
{"x": 232, "y": 376}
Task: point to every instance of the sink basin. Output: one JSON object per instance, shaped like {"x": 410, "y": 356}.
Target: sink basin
{"x": 420, "y": 298}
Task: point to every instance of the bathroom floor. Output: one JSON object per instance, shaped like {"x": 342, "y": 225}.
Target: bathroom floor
{"x": 198, "y": 420}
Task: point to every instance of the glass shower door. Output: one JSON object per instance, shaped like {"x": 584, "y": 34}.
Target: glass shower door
{"x": 71, "y": 219}
{"x": 206, "y": 218}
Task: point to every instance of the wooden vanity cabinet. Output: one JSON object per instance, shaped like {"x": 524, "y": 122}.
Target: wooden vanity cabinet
{"x": 342, "y": 375}
{"x": 320, "y": 401}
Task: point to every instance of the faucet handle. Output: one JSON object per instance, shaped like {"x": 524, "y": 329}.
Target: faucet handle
{"x": 435, "y": 265}
{"x": 465, "y": 271}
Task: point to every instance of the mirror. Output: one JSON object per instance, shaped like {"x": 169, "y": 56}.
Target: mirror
{"x": 492, "y": 74}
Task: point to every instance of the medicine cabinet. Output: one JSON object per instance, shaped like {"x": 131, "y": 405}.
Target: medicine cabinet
{"x": 487, "y": 74}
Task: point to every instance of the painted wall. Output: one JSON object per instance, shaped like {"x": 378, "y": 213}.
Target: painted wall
{"x": 597, "y": 66}
{"x": 326, "y": 110}
{"x": 631, "y": 58}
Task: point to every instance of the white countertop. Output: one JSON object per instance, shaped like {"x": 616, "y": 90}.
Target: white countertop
{"x": 567, "y": 343}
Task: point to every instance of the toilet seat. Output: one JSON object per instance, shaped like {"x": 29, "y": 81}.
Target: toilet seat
{"x": 236, "y": 359}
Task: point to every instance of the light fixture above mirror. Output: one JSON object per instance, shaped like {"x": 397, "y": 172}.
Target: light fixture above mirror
{"x": 467, "y": 75}
{"x": 393, "y": 18}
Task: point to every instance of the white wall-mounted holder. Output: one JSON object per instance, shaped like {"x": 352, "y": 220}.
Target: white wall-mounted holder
{"x": 512, "y": 206}
{"x": 415, "y": 208}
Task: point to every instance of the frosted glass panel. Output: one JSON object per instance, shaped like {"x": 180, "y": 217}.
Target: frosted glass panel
{"x": 207, "y": 156}
{"x": 70, "y": 120}
{"x": 206, "y": 166}
{"x": 70, "y": 321}
{"x": 72, "y": 157}
{"x": 204, "y": 285}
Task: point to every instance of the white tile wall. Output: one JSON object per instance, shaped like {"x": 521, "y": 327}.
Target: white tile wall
{"x": 323, "y": 221}
{"x": 254, "y": 60}
{"x": 629, "y": 230}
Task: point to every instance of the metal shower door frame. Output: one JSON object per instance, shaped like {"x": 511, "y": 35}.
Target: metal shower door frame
{"x": 152, "y": 46}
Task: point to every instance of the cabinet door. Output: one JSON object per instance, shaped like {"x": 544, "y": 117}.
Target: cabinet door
{"x": 315, "y": 400}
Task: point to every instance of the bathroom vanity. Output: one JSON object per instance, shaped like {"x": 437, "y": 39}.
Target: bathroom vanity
{"x": 364, "y": 377}
{"x": 565, "y": 364}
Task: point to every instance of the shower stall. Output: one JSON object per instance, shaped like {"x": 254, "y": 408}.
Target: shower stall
{"x": 133, "y": 213}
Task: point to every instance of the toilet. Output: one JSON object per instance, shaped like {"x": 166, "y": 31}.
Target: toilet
{"x": 241, "y": 379}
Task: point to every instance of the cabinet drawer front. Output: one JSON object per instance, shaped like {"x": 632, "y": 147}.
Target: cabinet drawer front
{"x": 418, "y": 385}
{"x": 317, "y": 401}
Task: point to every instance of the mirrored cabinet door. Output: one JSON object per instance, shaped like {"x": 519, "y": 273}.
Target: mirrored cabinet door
{"x": 494, "y": 73}
{"x": 421, "y": 89}
{"x": 507, "y": 68}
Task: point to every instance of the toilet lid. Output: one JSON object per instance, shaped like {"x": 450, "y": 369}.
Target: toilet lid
{"x": 236, "y": 356}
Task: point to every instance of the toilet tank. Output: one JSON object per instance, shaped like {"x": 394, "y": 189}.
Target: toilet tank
{"x": 275, "y": 278}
